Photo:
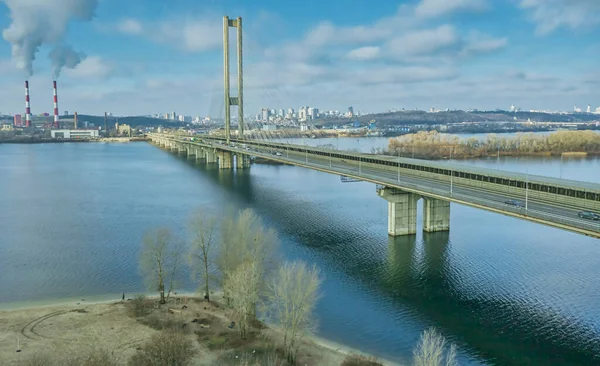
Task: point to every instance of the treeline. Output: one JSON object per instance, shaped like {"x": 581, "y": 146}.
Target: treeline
{"x": 434, "y": 145}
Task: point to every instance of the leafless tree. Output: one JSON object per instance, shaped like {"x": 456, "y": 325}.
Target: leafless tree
{"x": 159, "y": 261}
{"x": 292, "y": 294}
{"x": 431, "y": 350}
{"x": 244, "y": 239}
{"x": 203, "y": 228}
{"x": 243, "y": 285}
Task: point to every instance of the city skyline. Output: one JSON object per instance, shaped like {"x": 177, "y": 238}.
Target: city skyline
{"x": 406, "y": 54}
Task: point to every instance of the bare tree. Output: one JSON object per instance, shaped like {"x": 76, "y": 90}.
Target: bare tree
{"x": 245, "y": 239}
{"x": 292, "y": 294}
{"x": 202, "y": 227}
{"x": 243, "y": 287}
{"x": 159, "y": 261}
{"x": 431, "y": 350}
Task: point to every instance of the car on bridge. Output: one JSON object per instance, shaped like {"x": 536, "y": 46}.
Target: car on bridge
{"x": 514, "y": 203}
{"x": 588, "y": 215}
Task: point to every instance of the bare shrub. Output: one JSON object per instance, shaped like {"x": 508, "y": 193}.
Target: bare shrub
{"x": 96, "y": 357}
{"x": 202, "y": 227}
{"x": 293, "y": 292}
{"x": 244, "y": 239}
{"x": 431, "y": 350}
{"x": 138, "y": 307}
{"x": 243, "y": 284}
{"x": 160, "y": 261}
{"x": 165, "y": 348}
{"x": 360, "y": 360}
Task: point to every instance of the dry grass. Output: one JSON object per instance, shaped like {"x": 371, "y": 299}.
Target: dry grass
{"x": 94, "y": 357}
{"x": 116, "y": 328}
{"x": 360, "y": 360}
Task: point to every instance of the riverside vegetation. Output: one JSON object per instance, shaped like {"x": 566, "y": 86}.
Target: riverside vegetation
{"x": 434, "y": 145}
{"x": 236, "y": 255}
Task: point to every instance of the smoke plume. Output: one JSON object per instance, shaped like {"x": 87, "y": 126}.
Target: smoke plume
{"x": 64, "y": 56}
{"x": 39, "y": 22}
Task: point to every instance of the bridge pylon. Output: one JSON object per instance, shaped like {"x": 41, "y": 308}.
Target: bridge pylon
{"x": 229, "y": 100}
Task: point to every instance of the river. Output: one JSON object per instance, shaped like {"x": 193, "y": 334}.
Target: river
{"x": 506, "y": 291}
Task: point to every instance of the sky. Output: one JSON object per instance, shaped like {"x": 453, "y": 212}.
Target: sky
{"x": 139, "y": 57}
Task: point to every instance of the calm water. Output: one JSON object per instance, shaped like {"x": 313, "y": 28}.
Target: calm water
{"x": 508, "y": 292}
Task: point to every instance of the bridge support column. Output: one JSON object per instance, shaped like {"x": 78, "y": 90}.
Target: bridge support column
{"x": 200, "y": 154}
{"x": 191, "y": 151}
{"x": 436, "y": 215}
{"x": 211, "y": 156}
{"x": 225, "y": 160}
{"x": 242, "y": 161}
{"x": 402, "y": 211}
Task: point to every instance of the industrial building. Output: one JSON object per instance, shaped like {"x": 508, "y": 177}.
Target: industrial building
{"x": 74, "y": 134}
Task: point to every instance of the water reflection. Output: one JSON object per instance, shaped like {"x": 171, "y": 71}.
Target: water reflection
{"x": 419, "y": 278}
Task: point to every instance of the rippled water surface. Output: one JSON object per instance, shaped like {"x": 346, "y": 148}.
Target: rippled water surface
{"x": 508, "y": 292}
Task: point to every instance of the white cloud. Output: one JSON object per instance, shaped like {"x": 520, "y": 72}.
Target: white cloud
{"x": 130, "y": 26}
{"x": 423, "y": 42}
{"x": 550, "y": 15}
{"x": 364, "y": 53}
{"x": 437, "y": 8}
{"x": 478, "y": 42}
{"x": 188, "y": 34}
{"x": 93, "y": 67}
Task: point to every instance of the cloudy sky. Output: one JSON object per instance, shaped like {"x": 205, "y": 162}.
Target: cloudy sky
{"x": 155, "y": 56}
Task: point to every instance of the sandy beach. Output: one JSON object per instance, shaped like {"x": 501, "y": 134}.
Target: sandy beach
{"x": 56, "y": 328}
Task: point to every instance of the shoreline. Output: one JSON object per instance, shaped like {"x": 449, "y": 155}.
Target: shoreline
{"x": 70, "y": 304}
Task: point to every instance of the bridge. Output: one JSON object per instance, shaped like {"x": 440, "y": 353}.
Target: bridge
{"x": 401, "y": 182}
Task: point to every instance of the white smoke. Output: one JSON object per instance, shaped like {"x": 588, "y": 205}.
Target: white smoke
{"x": 64, "y": 56}
{"x": 39, "y": 22}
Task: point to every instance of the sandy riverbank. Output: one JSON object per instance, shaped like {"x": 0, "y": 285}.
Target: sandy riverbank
{"x": 75, "y": 327}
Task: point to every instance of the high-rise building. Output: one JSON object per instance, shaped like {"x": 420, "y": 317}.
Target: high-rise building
{"x": 18, "y": 122}
{"x": 281, "y": 113}
{"x": 313, "y": 113}
{"x": 350, "y": 111}
{"x": 290, "y": 113}
{"x": 589, "y": 109}
{"x": 303, "y": 113}
{"x": 266, "y": 113}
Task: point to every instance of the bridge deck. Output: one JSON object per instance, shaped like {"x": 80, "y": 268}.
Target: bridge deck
{"x": 541, "y": 209}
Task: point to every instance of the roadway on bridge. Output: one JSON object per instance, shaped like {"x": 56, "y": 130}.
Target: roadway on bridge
{"x": 558, "y": 215}
{"x": 535, "y": 209}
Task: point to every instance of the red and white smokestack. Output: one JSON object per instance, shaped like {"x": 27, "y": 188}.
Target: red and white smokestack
{"x": 27, "y": 107}
{"x": 56, "y": 124}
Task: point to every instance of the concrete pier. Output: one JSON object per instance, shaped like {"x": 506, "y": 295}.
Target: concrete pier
{"x": 242, "y": 161}
{"x": 211, "y": 156}
{"x": 436, "y": 215}
{"x": 402, "y": 211}
{"x": 225, "y": 160}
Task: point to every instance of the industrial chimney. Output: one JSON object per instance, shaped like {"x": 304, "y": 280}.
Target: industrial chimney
{"x": 27, "y": 107}
{"x": 56, "y": 123}
{"x": 75, "y": 119}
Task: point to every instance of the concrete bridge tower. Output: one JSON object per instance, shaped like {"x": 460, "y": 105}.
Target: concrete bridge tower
{"x": 229, "y": 100}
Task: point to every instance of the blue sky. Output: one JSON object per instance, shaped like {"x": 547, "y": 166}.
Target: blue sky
{"x": 152, "y": 56}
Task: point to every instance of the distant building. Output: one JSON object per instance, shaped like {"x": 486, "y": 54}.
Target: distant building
{"x": 269, "y": 127}
{"x": 17, "y": 121}
{"x": 303, "y": 127}
{"x": 73, "y": 134}
{"x": 6, "y": 126}
{"x": 265, "y": 114}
